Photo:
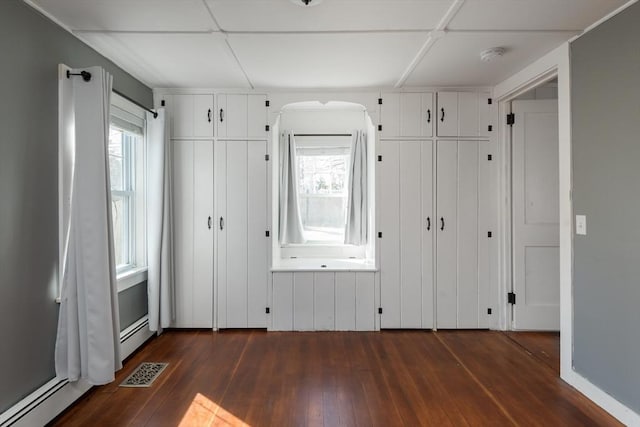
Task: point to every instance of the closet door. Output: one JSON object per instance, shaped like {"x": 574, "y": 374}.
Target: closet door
{"x": 447, "y": 114}
{"x": 203, "y": 116}
{"x": 401, "y": 221}
{"x": 192, "y": 116}
{"x": 256, "y": 116}
{"x": 241, "y": 179}
{"x": 428, "y": 228}
{"x": 427, "y": 116}
{"x": 193, "y": 233}
{"x": 458, "y": 293}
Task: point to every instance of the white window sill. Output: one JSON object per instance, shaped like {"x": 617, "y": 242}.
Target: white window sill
{"x": 131, "y": 277}
{"x": 324, "y": 264}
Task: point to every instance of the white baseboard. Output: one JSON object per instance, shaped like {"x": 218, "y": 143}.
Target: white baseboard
{"x": 607, "y": 402}
{"x": 55, "y": 396}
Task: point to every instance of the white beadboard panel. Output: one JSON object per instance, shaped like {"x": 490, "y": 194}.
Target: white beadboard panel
{"x": 220, "y": 160}
{"x": 257, "y": 258}
{"x": 235, "y": 224}
{"x": 428, "y": 228}
{"x": 345, "y": 301}
{"x": 365, "y": 302}
{"x": 468, "y": 234}
{"x": 202, "y": 307}
{"x": 303, "y": 302}
{"x": 486, "y": 212}
{"x": 282, "y": 304}
{"x": 324, "y": 301}
{"x": 256, "y": 116}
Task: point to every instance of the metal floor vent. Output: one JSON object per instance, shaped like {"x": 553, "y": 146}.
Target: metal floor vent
{"x": 144, "y": 375}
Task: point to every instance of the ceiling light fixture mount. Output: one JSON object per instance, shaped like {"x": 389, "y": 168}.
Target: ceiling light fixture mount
{"x": 306, "y": 3}
{"x": 489, "y": 55}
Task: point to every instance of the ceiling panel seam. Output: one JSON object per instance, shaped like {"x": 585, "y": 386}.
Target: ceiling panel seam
{"x": 434, "y": 36}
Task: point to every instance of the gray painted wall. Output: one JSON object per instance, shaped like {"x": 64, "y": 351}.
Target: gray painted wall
{"x": 605, "y": 101}
{"x": 31, "y": 47}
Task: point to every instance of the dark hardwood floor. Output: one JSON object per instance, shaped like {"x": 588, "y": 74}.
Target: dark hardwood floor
{"x": 412, "y": 378}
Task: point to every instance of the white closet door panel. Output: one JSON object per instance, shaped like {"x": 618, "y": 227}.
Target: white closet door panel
{"x": 236, "y": 228}
{"x": 365, "y": 302}
{"x": 324, "y": 302}
{"x": 468, "y": 114}
{"x": 390, "y": 115}
{"x": 468, "y": 234}
{"x": 182, "y": 116}
{"x": 389, "y": 212}
{"x": 221, "y": 116}
{"x": 427, "y": 117}
{"x": 410, "y": 239}
{"x": 486, "y": 215}
{"x": 346, "y": 301}
{"x": 446, "y": 220}
{"x": 203, "y": 116}
{"x": 282, "y": 307}
{"x": 257, "y": 269}
{"x": 428, "y": 232}
{"x": 410, "y": 114}
{"x": 203, "y": 235}
{"x": 303, "y": 301}
{"x": 447, "y": 114}
{"x": 183, "y": 232}
{"x": 220, "y": 159}
{"x": 236, "y": 116}
{"x": 256, "y": 116}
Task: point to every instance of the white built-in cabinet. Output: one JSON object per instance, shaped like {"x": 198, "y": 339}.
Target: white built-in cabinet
{"x": 406, "y": 233}
{"x": 407, "y": 114}
{"x": 463, "y": 114}
{"x": 241, "y": 116}
{"x": 192, "y": 116}
{"x": 193, "y": 233}
{"x": 242, "y": 242}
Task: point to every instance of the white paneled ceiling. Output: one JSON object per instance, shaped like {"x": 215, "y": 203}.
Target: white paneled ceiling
{"x": 337, "y": 43}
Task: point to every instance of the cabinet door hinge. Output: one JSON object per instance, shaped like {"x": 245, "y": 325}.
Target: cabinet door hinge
{"x": 490, "y": 157}
{"x": 379, "y": 158}
{"x": 266, "y": 157}
{"x": 379, "y": 310}
{"x": 489, "y": 234}
{"x": 380, "y": 128}
{"x": 162, "y": 103}
{"x": 488, "y": 311}
{"x": 379, "y": 234}
{"x": 266, "y": 103}
{"x": 511, "y": 119}
{"x": 380, "y": 101}
{"x": 267, "y": 233}
{"x": 489, "y": 101}
{"x": 266, "y": 128}
{"x": 490, "y": 128}
{"x": 511, "y": 298}
{"x": 267, "y": 310}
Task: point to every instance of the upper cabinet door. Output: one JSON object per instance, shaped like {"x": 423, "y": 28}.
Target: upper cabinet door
{"x": 192, "y": 116}
{"x": 447, "y": 114}
{"x": 242, "y": 116}
{"x": 463, "y": 114}
{"x": 407, "y": 115}
{"x": 203, "y": 116}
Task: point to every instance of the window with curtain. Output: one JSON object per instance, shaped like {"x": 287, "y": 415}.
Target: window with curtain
{"x": 322, "y": 190}
{"x": 126, "y": 167}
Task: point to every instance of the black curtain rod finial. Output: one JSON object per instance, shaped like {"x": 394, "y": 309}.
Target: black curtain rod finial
{"x": 86, "y": 76}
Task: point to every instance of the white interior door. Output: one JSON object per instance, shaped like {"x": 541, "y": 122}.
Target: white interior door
{"x": 536, "y": 267}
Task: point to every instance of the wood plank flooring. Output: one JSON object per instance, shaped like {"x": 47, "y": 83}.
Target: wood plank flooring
{"x": 391, "y": 378}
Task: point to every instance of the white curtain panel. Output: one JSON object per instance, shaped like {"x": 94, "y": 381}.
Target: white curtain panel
{"x": 159, "y": 219}
{"x": 357, "y": 206}
{"x": 291, "y": 230}
{"x": 88, "y": 339}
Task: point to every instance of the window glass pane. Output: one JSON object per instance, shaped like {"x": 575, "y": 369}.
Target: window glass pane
{"x": 120, "y": 219}
{"x": 323, "y": 194}
{"x": 116, "y": 158}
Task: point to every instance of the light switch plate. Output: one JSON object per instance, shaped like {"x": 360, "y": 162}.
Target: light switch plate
{"x": 581, "y": 225}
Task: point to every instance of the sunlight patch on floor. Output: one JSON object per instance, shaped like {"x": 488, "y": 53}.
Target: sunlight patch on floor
{"x": 204, "y": 412}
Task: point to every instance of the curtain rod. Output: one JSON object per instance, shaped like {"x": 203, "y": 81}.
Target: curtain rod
{"x": 86, "y": 76}
{"x": 322, "y": 134}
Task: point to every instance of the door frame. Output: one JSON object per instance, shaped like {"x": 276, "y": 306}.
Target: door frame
{"x": 553, "y": 65}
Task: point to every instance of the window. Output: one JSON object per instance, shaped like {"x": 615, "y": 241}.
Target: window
{"x": 126, "y": 167}
{"x": 322, "y": 191}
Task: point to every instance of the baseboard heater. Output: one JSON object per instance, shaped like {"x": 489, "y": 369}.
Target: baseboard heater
{"x": 55, "y": 396}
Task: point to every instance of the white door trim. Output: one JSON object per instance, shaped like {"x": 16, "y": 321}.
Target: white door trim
{"x": 555, "y": 63}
